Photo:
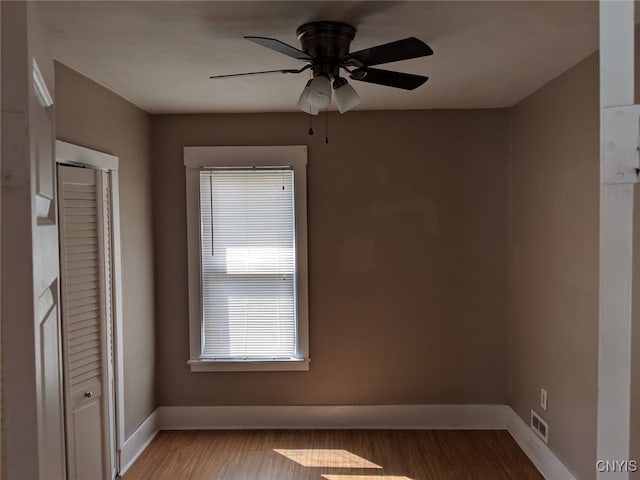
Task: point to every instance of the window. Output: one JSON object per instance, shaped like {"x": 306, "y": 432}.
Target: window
{"x": 246, "y": 225}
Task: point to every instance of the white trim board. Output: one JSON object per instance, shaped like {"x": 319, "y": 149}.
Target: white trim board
{"x": 393, "y": 417}
{"x": 616, "y": 302}
{"x": 139, "y": 441}
{"x": 75, "y": 154}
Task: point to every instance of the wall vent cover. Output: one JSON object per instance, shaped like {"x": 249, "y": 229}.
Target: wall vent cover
{"x": 539, "y": 426}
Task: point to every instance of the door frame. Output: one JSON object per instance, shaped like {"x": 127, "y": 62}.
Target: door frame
{"x": 72, "y": 154}
{"x": 619, "y": 174}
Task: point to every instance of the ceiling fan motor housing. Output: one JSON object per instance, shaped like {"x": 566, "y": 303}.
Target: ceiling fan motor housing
{"x": 325, "y": 50}
{"x": 327, "y": 43}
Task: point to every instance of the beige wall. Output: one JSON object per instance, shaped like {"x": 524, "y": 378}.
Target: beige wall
{"x": 407, "y": 258}
{"x": 88, "y": 114}
{"x": 554, "y": 261}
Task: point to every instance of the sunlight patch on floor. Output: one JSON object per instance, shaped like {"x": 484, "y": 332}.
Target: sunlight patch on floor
{"x": 364, "y": 477}
{"x": 331, "y": 458}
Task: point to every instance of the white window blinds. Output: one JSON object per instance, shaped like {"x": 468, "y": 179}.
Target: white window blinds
{"x": 248, "y": 264}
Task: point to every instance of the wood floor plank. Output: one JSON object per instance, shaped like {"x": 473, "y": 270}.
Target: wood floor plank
{"x": 333, "y": 455}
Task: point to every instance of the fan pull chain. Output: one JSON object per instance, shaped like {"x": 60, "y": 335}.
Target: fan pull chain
{"x": 326, "y": 125}
{"x": 310, "y": 125}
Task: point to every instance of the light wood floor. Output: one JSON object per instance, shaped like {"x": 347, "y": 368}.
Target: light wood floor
{"x": 333, "y": 455}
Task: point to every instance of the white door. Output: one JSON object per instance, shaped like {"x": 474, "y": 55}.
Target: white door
{"x": 32, "y": 400}
{"x": 86, "y": 285}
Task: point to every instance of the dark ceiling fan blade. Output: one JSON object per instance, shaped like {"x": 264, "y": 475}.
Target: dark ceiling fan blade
{"x": 406, "y": 81}
{"x": 280, "y": 47}
{"x": 391, "y": 52}
{"x": 306, "y": 67}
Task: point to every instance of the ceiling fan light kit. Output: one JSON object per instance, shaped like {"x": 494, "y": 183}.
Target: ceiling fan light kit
{"x": 346, "y": 96}
{"x": 319, "y": 95}
{"x": 303, "y": 101}
{"x": 325, "y": 51}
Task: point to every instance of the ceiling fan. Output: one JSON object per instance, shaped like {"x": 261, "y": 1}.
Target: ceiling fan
{"x": 325, "y": 51}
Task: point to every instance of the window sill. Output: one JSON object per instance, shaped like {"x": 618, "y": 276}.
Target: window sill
{"x": 293, "y": 364}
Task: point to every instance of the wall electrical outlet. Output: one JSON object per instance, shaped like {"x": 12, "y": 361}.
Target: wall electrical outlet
{"x": 543, "y": 399}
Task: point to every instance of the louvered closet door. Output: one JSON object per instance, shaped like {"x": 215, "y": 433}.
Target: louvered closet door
{"x": 85, "y": 252}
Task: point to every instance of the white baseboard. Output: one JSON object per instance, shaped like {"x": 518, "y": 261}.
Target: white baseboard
{"x": 444, "y": 417}
{"x": 138, "y": 441}
{"x": 409, "y": 417}
{"x": 538, "y": 452}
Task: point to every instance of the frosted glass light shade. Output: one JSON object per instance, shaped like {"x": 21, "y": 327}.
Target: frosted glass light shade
{"x": 346, "y": 97}
{"x": 303, "y": 103}
{"x": 319, "y": 92}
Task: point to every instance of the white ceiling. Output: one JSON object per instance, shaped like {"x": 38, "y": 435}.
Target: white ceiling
{"x": 159, "y": 55}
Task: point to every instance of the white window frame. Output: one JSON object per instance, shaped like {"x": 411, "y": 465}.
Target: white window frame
{"x": 197, "y": 159}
